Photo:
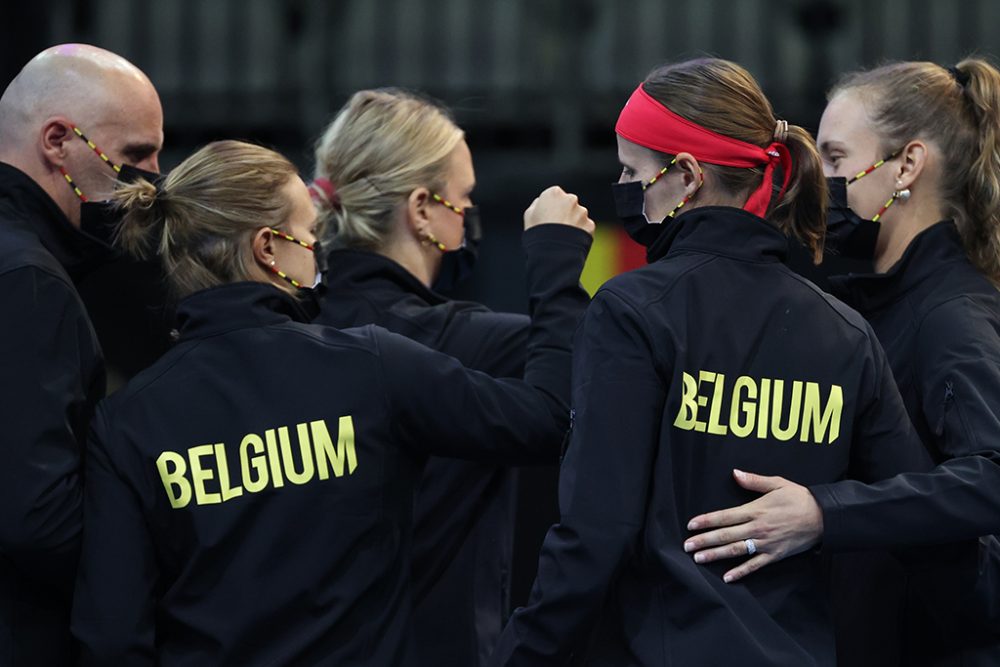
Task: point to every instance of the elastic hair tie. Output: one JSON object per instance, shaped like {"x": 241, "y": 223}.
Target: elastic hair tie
{"x": 960, "y": 77}
{"x": 324, "y": 193}
{"x": 781, "y": 131}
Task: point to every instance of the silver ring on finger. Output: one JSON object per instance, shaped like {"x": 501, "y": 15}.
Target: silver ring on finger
{"x": 751, "y": 547}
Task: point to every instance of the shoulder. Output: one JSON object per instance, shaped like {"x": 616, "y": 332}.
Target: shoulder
{"x": 969, "y": 320}
{"x": 22, "y": 255}
{"x": 653, "y": 282}
{"x": 823, "y": 301}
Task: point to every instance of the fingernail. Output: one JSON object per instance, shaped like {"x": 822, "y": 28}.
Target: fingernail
{"x": 738, "y": 473}
{"x": 692, "y": 525}
{"x": 699, "y": 558}
{"x": 688, "y": 546}
{"x": 728, "y": 578}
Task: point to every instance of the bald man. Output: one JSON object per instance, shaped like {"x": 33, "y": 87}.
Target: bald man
{"x": 52, "y": 373}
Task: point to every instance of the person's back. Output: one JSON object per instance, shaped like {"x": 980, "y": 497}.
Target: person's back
{"x": 249, "y": 497}
{"x": 774, "y": 375}
{"x": 395, "y": 178}
{"x": 713, "y": 358}
{"x": 279, "y": 520}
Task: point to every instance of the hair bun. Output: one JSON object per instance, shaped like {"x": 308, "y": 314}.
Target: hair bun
{"x": 139, "y": 194}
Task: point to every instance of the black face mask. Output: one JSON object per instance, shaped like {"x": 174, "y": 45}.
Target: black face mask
{"x": 457, "y": 265}
{"x": 630, "y": 206}
{"x": 98, "y": 219}
{"x": 847, "y": 233}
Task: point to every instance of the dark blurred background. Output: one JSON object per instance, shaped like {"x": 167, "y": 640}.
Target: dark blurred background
{"x": 537, "y": 85}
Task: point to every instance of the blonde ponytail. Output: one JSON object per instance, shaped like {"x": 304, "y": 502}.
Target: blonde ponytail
{"x": 200, "y": 220}
{"x": 382, "y": 145}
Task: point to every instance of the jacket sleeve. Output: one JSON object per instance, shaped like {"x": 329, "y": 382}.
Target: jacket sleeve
{"x": 442, "y": 408}
{"x": 958, "y": 368}
{"x": 50, "y": 367}
{"x": 114, "y": 604}
{"x": 618, "y": 400}
{"x": 498, "y": 343}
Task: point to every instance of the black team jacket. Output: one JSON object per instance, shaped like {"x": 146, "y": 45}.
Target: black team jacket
{"x": 714, "y": 356}
{"x": 464, "y": 510}
{"x": 938, "y": 319}
{"x": 50, "y": 380}
{"x": 249, "y": 496}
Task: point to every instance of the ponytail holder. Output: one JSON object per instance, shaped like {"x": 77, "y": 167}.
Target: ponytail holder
{"x": 781, "y": 131}
{"x": 760, "y": 199}
{"x": 960, "y": 77}
{"x": 324, "y": 193}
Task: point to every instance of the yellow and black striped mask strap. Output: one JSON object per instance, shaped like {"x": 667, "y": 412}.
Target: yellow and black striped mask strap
{"x": 862, "y": 174}
{"x": 311, "y": 247}
{"x": 101, "y": 154}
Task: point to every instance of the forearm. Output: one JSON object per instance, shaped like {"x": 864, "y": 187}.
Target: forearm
{"x": 960, "y": 499}
{"x": 554, "y": 257}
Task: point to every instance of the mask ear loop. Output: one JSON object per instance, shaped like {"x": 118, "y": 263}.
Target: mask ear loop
{"x": 72, "y": 185}
{"x": 901, "y": 195}
{"x": 278, "y": 272}
{"x": 432, "y": 240}
{"x": 663, "y": 172}
{"x": 701, "y": 182}
{"x": 897, "y": 194}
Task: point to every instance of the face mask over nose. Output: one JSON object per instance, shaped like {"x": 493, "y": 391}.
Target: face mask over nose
{"x": 457, "y": 265}
{"x": 630, "y": 207}
{"x": 847, "y": 233}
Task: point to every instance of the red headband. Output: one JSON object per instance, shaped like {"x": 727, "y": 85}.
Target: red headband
{"x": 646, "y": 122}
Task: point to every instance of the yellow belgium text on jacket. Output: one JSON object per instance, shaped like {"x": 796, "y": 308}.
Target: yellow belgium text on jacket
{"x": 203, "y": 472}
{"x": 763, "y": 408}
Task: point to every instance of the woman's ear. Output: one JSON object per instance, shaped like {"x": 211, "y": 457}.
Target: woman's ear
{"x": 912, "y": 162}
{"x": 263, "y": 247}
{"x": 692, "y": 174}
{"x": 54, "y": 136}
{"x": 417, "y": 214}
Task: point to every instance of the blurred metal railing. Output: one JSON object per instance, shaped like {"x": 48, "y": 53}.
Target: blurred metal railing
{"x": 538, "y": 72}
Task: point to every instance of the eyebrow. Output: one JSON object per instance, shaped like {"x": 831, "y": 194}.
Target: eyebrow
{"x": 827, "y": 146}
{"x": 140, "y": 150}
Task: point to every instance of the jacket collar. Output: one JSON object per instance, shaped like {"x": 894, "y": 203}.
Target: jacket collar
{"x": 936, "y": 246}
{"x": 28, "y": 207}
{"x": 721, "y": 230}
{"x": 234, "y": 306}
{"x": 349, "y": 269}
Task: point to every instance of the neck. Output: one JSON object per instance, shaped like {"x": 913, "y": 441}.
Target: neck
{"x": 898, "y": 231}
{"x": 422, "y": 261}
{"x": 51, "y": 182}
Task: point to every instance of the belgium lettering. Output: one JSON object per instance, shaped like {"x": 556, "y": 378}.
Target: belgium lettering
{"x": 264, "y": 461}
{"x": 756, "y": 407}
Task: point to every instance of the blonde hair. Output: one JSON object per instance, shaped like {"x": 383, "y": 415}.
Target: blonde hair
{"x": 725, "y": 98}
{"x": 382, "y": 145}
{"x": 199, "y": 221}
{"x": 960, "y": 114}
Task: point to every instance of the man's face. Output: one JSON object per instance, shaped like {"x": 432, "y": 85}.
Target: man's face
{"x": 129, "y": 130}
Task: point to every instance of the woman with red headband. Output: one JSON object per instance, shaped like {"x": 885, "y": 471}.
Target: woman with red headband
{"x": 714, "y": 356}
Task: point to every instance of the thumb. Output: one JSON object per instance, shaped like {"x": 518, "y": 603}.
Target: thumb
{"x": 758, "y": 483}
